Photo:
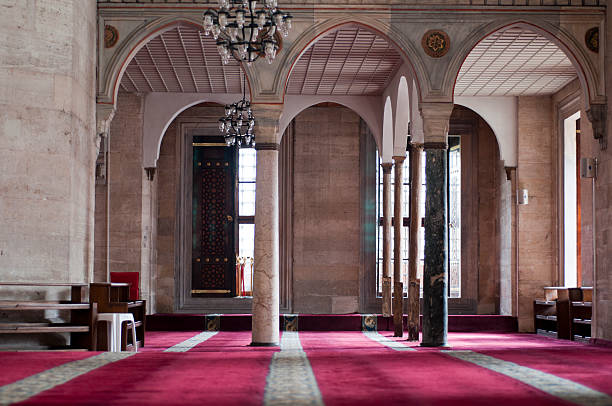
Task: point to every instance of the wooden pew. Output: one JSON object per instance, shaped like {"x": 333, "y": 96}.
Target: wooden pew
{"x": 81, "y": 324}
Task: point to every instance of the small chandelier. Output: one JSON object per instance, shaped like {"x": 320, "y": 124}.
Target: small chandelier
{"x": 246, "y": 33}
{"x": 238, "y": 123}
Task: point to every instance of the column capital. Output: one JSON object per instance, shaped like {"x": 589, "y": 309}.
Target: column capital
{"x": 399, "y": 159}
{"x": 386, "y": 166}
{"x": 436, "y": 118}
{"x": 267, "y": 122}
{"x": 104, "y": 116}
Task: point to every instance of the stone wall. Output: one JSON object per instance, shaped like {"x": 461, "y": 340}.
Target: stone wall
{"x": 326, "y": 211}
{"x": 603, "y": 201}
{"x": 168, "y": 178}
{"x": 47, "y": 140}
{"x": 536, "y": 234}
{"x": 489, "y": 233}
{"x": 132, "y": 203}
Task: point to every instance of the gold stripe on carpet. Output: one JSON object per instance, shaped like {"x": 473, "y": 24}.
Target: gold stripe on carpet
{"x": 35, "y": 384}
{"x": 386, "y": 341}
{"x": 551, "y": 384}
{"x": 291, "y": 381}
{"x": 191, "y": 342}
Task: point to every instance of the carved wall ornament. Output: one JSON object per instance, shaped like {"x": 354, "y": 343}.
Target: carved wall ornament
{"x": 436, "y": 43}
{"x": 111, "y": 36}
{"x": 597, "y": 115}
{"x": 591, "y": 38}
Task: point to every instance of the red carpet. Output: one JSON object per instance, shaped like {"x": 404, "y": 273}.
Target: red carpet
{"x": 161, "y": 340}
{"x": 575, "y": 363}
{"x": 19, "y": 365}
{"x": 213, "y": 373}
{"x": 352, "y": 369}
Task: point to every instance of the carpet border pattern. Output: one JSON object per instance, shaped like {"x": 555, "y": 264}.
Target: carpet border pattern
{"x": 291, "y": 380}
{"x": 553, "y": 385}
{"x": 50, "y": 378}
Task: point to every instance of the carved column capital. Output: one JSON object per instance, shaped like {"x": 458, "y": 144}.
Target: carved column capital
{"x": 436, "y": 118}
{"x": 596, "y": 114}
{"x": 267, "y": 122}
{"x": 386, "y": 167}
{"x": 399, "y": 159}
{"x": 104, "y": 117}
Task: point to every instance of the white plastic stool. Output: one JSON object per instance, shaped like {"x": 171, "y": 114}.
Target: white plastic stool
{"x": 114, "y": 322}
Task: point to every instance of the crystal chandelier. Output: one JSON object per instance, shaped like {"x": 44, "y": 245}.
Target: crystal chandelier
{"x": 238, "y": 123}
{"x": 246, "y": 33}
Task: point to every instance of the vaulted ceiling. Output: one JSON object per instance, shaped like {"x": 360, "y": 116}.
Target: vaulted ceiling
{"x": 350, "y": 61}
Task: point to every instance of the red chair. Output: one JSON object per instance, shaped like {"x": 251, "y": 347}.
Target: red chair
{"x": 128, "y": 277}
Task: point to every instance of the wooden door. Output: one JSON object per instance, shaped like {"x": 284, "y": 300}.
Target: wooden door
{"x": 213, "y": 251}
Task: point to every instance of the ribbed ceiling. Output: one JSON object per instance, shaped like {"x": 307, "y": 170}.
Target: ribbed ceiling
{"x": 350, "y": 61}
{"x": 181, "y": 60}
{"x": 514, "y": 62}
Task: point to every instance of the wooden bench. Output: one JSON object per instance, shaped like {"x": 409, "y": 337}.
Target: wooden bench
{"x": 564, "y": 313}
{"x": 81, "y": 324}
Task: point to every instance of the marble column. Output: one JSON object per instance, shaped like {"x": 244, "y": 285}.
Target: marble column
{"x": 386, "y": 281}
{"x": 435, "y": 276}
{"x": 265, "y": 327}
{"x": 413, "y": 254}
{"x": 398, "y": 227}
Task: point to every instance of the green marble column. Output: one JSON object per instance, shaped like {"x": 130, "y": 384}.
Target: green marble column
{"x": 435, "y": 275}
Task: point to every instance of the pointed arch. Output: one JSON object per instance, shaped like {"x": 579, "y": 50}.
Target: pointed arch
{"x": 387, "y": 132}
{"x": 402, "y": 118}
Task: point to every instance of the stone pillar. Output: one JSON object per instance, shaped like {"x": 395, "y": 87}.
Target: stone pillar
{"x": 398, "y": 227}
{"x": 386, "y": 280}
{"x": 435, "y": 277}
{"x": 413, "y": 254}
{"x": 47, "y": 142}
{"x": 265, "y": 330}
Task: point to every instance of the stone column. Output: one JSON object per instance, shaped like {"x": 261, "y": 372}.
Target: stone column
{"x": 386, "y": 280}
{"x": 265, "y": 330}
{"x": 435, "y": 277}
{"x": 413, "y": 255}
{"x": 398, "y": 227}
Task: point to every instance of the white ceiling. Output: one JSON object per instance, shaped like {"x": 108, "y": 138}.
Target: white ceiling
{"x": 514, "y": 62}
{"x": 350, "y": 61}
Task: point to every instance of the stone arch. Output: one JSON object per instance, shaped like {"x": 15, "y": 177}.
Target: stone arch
{"x": 159, "y": 112}
{"x": 115, "y": 67}
{"x": 404, "y": 47}
{"x": 387, "y": 132}
{"x": 587, "y": 72}
{"x": 367, "y": 107}
{"x": 500, "y": 113}
{"x": 402, "y": 118}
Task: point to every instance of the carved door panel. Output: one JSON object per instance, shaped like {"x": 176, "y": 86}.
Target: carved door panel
{"x": 213, "y": 250}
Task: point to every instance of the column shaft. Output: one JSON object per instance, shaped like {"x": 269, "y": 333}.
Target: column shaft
{"x": 398, "y": 227}
{"x": 413, "y": 254}
{"x": 386, "y": 284}
{"x": 435, "y": 278}
{"x": 266, "y": 273}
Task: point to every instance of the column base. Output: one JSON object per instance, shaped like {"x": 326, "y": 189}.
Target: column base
{"x": 443, "y": 345}
{"x": 263, "y": 345}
